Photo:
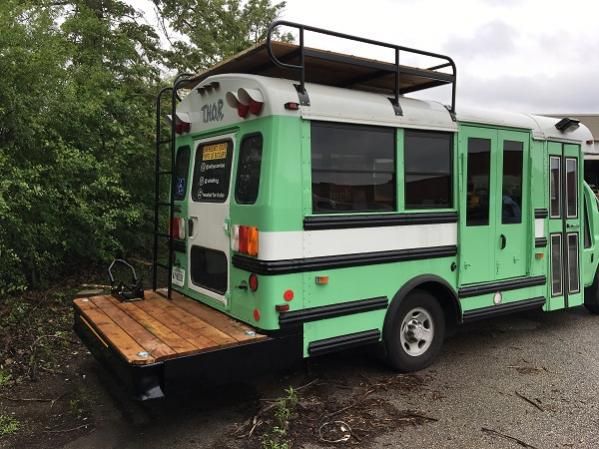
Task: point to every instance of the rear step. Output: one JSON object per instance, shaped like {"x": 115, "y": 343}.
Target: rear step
{"x": 156, "y": 345}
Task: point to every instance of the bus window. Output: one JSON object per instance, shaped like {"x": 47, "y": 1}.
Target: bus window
{"x": 248, "y": 169}
{"x": 555, "y": 189}
{"x": 428, "y": 169}
{"x": 479, "y": 166}
{"x": 212, "y": 172}
{"x": 511, "y": 190}
{"x": 353, "y": 168}
{"x": 572, "y": 187}
{"x": 587, "y": 229}
{"x": 181, "y": 172}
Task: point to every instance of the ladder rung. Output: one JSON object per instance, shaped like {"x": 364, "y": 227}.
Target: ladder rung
{"x": 165, "y": 172}
{"x": 163, "y": 203}
{"x": 161, "y": 265}
{"x": 162, "y": 142}
{"x": 163, "y": 234}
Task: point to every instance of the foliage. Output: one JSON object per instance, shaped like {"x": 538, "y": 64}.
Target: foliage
{"x": 276, "y": 437}
{"x": 78, "y": 80}
{"x": 211, "y": 30}
{"x": 8, "y": 425}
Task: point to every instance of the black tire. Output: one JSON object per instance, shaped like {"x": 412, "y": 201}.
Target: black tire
{"x": 591, "y": 297}
{"x": 404, "y": 356}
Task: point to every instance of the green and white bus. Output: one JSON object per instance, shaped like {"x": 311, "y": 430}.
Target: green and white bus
{"x": 311, "y": 197}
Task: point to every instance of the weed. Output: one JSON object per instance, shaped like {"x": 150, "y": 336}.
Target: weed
{"x": 8, "y": 425}
{"x": 4, "y": 378}
{"x": 276, "y": 438}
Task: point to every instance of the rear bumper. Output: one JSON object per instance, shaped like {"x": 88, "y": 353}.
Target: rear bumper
{"x": 206, "y": 369}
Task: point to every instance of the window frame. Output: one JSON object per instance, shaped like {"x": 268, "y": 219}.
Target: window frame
{"x": 489, "y": 180}
{"x": 503, "y": 176}
{"x": 561, "y": 264}
{"x": 180, "y": 150}
{"x": 240, "y": 151}
{"x": 393, "y": 131}
{"x": 575, "y": 246}
{"x": 575, "y": 160}
{"x": 230, "y": 151}
{"x": 452, "y": 171}
{"x": 559, "y": 187}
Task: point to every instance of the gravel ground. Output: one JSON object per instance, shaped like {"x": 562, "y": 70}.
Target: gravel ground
{"x": 532, "y": 378}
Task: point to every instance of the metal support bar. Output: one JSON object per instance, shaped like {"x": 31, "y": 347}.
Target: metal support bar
{"x": 159, "y": 142}
{"x": 301, "y": 67}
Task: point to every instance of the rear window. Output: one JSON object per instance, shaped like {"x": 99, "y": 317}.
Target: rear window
{"x": 181, "y": 172}
{"x": 209, "y": 269}
{"x": 353, "y": 168}
{"x": 248, "y": 169}
{"x": 212, "y": 172}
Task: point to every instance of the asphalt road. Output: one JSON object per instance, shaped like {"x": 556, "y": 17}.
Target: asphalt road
{"x": 532, "y": 378}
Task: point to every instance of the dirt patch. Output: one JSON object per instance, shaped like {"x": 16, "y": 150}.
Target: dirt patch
{"x": 43, "y": 390}
{"x": 326, "y": 414}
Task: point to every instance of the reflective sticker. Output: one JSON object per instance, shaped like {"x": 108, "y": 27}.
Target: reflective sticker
{"x": 180, "y": 187}
{"x": 178, "y": 276}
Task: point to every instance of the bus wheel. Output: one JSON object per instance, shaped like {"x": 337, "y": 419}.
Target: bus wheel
{"x": 591, "y": 296}
{"x": 414, "y": 333}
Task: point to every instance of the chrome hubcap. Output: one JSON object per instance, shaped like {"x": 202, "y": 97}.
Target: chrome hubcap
{"x": 417, "y": 331}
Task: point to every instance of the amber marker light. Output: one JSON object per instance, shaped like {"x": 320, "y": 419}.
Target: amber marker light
{"x": 321, "y": 280}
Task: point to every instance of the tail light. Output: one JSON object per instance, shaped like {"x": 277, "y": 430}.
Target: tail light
{"x": 182, "y": 127}
{"x": 246, "y": 101}
{"x": 246, "y": 240}
{"x": 242, "y": 110}
{"x": 177, "y": 228}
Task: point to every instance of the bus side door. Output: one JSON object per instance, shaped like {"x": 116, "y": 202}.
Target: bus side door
{"x": 565, "y": 200}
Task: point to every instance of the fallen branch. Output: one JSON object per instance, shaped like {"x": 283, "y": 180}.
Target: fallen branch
{"x": 103, "y": 286}
{"x": 27, "y": 399}
{"x": 68, "y": 430}
{"x": 31, "y": 370}
{"x": 534, "y": 404}
{"x": 347, "y": 407}
{"x": 508, "y": 437}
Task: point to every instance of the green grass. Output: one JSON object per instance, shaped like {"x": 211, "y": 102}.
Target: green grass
{"x": 4, "y": 378}
{"x": 276, "y": 437}
{"x": 8, "y": 425}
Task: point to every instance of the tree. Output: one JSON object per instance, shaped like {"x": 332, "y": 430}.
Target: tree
{"x": 212, "y": 30}
{"x": 76, "y": 131}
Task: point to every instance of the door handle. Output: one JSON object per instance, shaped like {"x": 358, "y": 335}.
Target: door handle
{"x": 572, "y": 226}
{"x": 502, "y": 241}
{"x": 190, "y": 228}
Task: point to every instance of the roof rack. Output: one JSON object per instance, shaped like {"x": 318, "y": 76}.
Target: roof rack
{"x": 416, "y": 79}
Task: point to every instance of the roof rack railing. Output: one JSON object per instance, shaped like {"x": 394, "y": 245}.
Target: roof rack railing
{"x": 430, "y": 73}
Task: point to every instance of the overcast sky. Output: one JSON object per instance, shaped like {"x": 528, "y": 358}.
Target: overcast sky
{"x": 522, "y": 55}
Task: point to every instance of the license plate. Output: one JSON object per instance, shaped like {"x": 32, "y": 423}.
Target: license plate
{"x": 178, "y": 276}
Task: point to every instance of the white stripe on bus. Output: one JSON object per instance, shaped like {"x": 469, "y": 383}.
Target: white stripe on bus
{"x": 332, "y": 242}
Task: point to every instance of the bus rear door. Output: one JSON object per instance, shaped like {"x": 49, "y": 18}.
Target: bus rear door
{"x": 208, "y": 224}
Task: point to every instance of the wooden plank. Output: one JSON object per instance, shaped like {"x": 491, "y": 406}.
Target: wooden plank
{"x": 217, "y": 319}
{"x": 146, "y": 339}
{"x": 120, "y": 340}
{"x": 185, "y": 321}
{"x": 168, "y": 336}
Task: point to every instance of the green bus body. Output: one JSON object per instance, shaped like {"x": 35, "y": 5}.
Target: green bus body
{"x": 543, "y": 258}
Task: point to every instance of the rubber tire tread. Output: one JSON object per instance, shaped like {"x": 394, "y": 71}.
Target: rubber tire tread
{"x": 591, "y": 296}
{"x": 396, "y": 356}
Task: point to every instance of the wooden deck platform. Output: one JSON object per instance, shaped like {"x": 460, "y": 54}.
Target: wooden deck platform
{"x": 157, "y": 329}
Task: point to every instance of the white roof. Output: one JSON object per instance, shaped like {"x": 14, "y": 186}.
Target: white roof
{"x": 353, "y": 106}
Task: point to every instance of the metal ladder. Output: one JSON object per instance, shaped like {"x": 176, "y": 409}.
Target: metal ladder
{"x": 159, "y": 203}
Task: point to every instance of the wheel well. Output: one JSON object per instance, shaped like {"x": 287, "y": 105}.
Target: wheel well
{"x": 440, "y": 290}
{"x": 447, "y": 299}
